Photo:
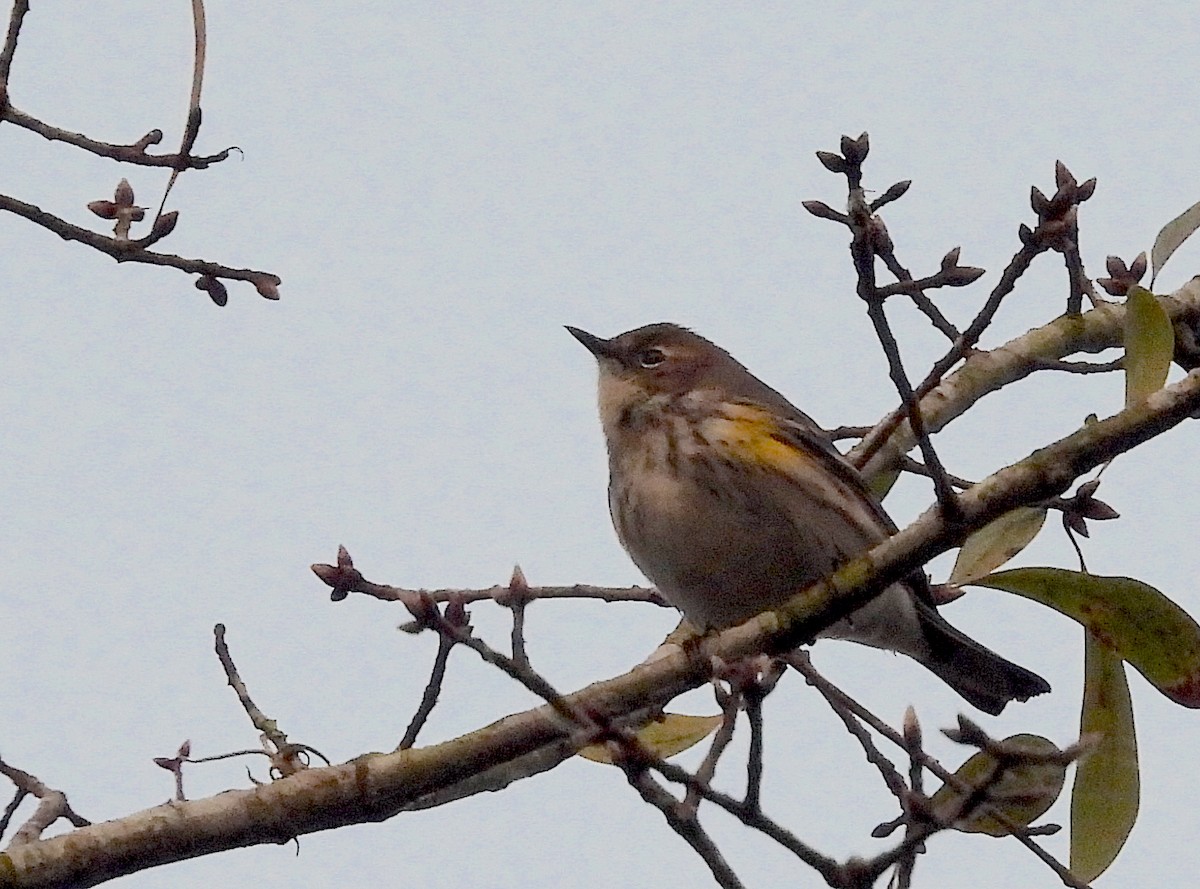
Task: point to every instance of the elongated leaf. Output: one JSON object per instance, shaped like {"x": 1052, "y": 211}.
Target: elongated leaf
{"x": 1104, "y": 800}
{"x": 1131, "y": 618}
{"x": 672, "y": 734}
{"x": 1171, "y": 236}
{"x": 1022, "y": 792}
{"x": 1149, "y": 344}
{"x": 994, "y": 544}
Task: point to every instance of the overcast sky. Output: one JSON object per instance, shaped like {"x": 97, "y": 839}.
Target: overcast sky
{"x": 441, "y": 188}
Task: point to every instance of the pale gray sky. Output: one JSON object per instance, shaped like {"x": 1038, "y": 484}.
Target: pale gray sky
{"x": 441, "y": 188}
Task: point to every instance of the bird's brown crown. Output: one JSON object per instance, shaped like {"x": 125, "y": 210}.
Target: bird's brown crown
{"x": 659, "y": 358}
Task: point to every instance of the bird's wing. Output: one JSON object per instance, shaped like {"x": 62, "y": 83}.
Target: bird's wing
{"x": 797, "y": 430}
{"x": 800, "y": 431}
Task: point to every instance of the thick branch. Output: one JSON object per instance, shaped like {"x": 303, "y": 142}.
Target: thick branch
{"x": 376, "y": 786}
{"x": 986, "y": 372}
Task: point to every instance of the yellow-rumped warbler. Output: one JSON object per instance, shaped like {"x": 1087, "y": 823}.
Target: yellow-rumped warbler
{"x": 731, "y": 501}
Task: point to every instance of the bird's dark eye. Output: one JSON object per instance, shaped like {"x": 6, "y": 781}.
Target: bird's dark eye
{"x": 651, "y": 357}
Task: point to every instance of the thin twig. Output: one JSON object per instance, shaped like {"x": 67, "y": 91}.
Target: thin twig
{"x": 131, "y": 251}
{"x": 916, "y": 290}
{"x": 257, "y": 718}
{"x": 344, "y": 578}
{"x": 1020, "y": 834}
{"x": 133, "y": 153}
{"x": 430, "y": 697}
{"x": 1017, "y": 266}
{"x": 916, "y": 467}
{"x": 11, "y": 809}
{"x": 518, "y": 632}
{"x": 708, "y": 767}
{"x": 20, "y": 7}
{"x": 753, "y": 696}
{"x": 1075, "y": 543}
{"x": 941, "y": 485}
{"x": 522, "y": 673}
{"x": 870, "y": 238}
{"x": 1075, "y": 274}
{"x": 53, "y": 806}
{"x": 687, "y": 826}
{"x": 191, "y": 129}
{"x": 912, "y": 739}
{"x": 887, "y": 771}
{"x": 824, "y": 865}
{"x": 286, "y": 757}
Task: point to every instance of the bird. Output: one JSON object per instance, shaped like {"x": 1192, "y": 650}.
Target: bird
{"x": 731, "y": 500}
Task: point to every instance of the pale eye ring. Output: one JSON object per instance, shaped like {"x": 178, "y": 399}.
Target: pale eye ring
{"x": 651, "y": 357}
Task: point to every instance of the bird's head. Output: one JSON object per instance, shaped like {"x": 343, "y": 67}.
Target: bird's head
{"x": 656, "y": 360}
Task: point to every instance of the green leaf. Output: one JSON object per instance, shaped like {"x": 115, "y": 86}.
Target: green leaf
{"x": 1131, "y": 618}
{"x": 995, "y": 543}
{"x": 1149, "y": 344}
{"x": 1023, "y": 791}
{"x": 881, "y": 483}
{"x": 1172, "y": 235}
{"x": 673, "y": 733}
{"x": 1104, "y": 800}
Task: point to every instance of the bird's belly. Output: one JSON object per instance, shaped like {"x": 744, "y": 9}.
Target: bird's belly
{"x": 722, "y": 560}
{"x": 717, "y": 560}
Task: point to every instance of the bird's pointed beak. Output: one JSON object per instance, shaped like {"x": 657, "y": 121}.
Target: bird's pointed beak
{"x": 601, "y": 348}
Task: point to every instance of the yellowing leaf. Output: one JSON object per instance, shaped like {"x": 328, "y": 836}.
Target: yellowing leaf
{"x": 672, "y": 734}
{"x": 1131, "y": 618}
{"x": 1149, "y": 344}
{"x": 1104, "y": 800}
{"x": 994, "y": 544}
{"x": 1023, "y": 791}
{"x": 1172, "y": 235}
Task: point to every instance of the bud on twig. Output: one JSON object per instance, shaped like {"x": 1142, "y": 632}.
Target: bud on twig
{"x": 104, "y": 209}
{"x": 855, "y": 150}
{"x": 217, "y": 291}
{"x": 823, "y": 211}
{"x": 950, "y": 260}
{"x": 834, "y": 163}
{"x": 268, "y": 288}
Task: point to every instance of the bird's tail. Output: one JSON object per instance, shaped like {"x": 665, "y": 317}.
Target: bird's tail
{"x": 984, "y": 678}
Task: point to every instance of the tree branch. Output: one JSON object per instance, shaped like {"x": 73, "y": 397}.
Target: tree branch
{"x": 266, "y": 283}
{"x": 986, "y": 372}
{"x": 376, "y": 786}
{"x": 20, "y": 7}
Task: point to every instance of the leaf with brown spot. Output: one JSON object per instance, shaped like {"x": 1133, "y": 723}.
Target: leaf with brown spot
{"x": 1136, "y": 621}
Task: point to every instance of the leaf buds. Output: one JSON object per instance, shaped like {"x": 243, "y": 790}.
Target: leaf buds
{"x": 267, "y": 286}
{"x": 342, "y": 577}
{"x": 1121, "y": 278}
{"x": 832, "y": 162}
{"x": 1078, "y": 509}
{"x": 216, "y": 291}
{"x": 855, "y": 150}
